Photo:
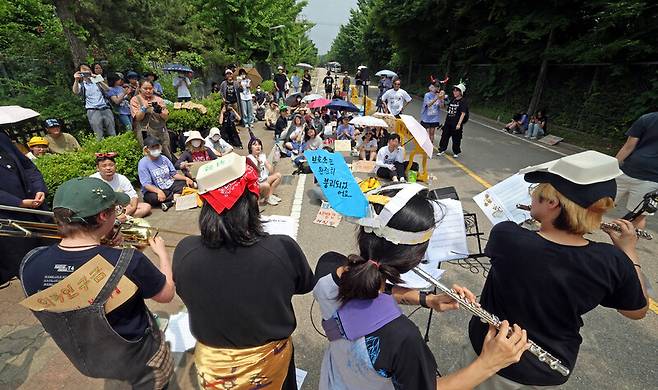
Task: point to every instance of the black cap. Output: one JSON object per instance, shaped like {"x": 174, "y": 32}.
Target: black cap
{"x": 583, "y": 195}
{"x": 151, "y": 141}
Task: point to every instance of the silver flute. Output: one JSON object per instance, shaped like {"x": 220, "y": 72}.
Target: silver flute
{"x": 605, "y": 225}
{"x": 488, "y": 318}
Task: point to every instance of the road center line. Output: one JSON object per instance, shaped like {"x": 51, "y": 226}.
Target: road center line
{"x": 468, "y": 171}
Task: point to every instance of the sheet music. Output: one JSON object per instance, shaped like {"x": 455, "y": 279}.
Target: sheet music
{"x": 499, "y": 202}
{"x": 178, "y": 333}
{"x": 448, "y": 241}
{"x": 300, "y": 376}
{"x": 280, "y": 224}
{"x": 411, "y": 280}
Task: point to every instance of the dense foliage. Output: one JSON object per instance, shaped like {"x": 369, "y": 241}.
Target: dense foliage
{"x": 58, "y": 168}
{"x": 41, "y": 42}
{"x": 592, "y": 64}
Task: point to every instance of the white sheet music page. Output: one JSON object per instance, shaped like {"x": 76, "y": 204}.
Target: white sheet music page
{"x": 448, "y": 242}
{"x": 499, "y": 202}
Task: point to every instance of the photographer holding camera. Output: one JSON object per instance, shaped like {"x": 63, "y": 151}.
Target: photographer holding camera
{"x": 150, "y": 115}
{"x": 93, "y": 90}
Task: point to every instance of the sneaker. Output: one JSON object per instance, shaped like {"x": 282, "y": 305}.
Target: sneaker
{"x": 533, "y": 137}
{"x": 275, "y": 198}
{"x": 456, "y": 155}
{"x": 403, "y": 180}
{"x": 395, "y": 178}
{"x": 166, "y": 206}
{"x": 271, "y": 201}
{"x": 438, "y": 154}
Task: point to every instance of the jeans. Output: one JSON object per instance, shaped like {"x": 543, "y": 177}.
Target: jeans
{"x": 247, "y": 112}
{"x": 278, "y": 95}
{"x": 126, "y": 121}
{"x": 101, "y": 122}
{"x": 534, "y": 131}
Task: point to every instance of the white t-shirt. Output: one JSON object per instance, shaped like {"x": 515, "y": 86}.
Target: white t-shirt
{"x": 372, "y": 144}
{"x": 246, "y": 89}
{"x": 181, "y": 85}
{"x": 395, "y": 100}
{"x": 119, "y": 183}
{"x": 386, "y": 158}
{"x": 260, "y": 160}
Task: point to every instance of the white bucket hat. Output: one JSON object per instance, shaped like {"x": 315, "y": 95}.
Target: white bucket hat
{"x": 220, "y": 171}
{"x": 460, "y": 87}
{"x": 192, "y": 135}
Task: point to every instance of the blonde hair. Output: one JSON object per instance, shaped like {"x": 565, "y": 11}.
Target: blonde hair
{"x": 574, "y": 218}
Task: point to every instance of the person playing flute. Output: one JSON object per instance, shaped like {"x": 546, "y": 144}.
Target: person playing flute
{"x": 545, "y": 281}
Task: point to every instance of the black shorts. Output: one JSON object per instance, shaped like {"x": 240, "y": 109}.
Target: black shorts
{"x": 327, "y": 90}
{"x": 428, "y": 125}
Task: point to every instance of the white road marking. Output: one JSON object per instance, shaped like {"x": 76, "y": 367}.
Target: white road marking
{"x": 297, "y": 201}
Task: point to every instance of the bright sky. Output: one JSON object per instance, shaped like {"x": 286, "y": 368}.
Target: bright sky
{"x": 327, "y": 16}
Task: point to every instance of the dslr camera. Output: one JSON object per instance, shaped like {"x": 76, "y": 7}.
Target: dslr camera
{"x": 156, "y": 107}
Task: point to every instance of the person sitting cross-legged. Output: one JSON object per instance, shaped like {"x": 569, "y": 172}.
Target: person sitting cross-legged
{"x": 107, "y": 171}
{"x": 367, "y": 146}
{"x": 195, "y": 151}
{"x": 215, "y": 142}
{"x": 160, "y": 180}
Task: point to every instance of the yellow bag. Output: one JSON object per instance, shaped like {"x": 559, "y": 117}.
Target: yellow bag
{"x": 369, "y": 184}
{"x": 190, "y": 191}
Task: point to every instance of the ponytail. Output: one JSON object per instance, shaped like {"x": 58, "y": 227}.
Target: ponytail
{"x": 363, "y": 278}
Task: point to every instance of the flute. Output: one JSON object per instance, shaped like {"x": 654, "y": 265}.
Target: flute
{"x": 488, "y": 318}
{"x": 608, "y": 225}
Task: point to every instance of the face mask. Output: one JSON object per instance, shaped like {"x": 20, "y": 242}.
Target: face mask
{"x": 155, "y": 152}
{"x": 215, "y": 138}
{"x": 196, "y": 143}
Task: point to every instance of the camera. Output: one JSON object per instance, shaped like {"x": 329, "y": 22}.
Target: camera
{"x": 156, "y": 107}
{"x": 85, "y": 74}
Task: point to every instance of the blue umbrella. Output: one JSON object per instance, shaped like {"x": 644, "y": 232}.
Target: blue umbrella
{"x": 342, "y": 105}
{"x": 177, "y": 68}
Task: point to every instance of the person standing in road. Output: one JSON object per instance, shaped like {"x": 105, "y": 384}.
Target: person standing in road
{"x": 328, "y": 82}
{"x": 246, "y": 98}
{"x": 295, "y": 80}
{"x": 280, "y": 81}
{"x": 396, "y": 99}
{"x": 454, "y": 125}
{"x": 639, "y": 163}
{"x": 430, "y": 113}
{"x": 346, "y": 87}
{"x": 306, "y": 82}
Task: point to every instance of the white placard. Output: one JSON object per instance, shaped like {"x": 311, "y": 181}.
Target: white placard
{"x": 178, "y": 333}
{"x": 448, "y": 241}
{"x": 186, "y": 202}
{"x": 499, "y": 202}
{"x": 280, "y": 224}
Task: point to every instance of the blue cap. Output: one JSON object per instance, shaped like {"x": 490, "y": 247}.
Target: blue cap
{"x": 51, "y": 123}
{"x": 132, "y": 75}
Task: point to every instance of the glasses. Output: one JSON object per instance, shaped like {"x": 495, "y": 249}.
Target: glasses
{"x": 108, "y": 155}
{"x": 532, "y": 188}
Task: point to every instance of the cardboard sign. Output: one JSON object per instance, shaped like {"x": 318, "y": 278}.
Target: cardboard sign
{"x": 363, "y": 166}
{"x": 337, "y": 183}
{"x": 79, "y": 289}
{"x": 343, "y": 145}
{"x": 186, "y": 202}
{"x": 327, "y": 216}
{"x": 550, "y": 140}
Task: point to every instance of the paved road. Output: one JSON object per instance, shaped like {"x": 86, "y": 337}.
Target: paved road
{"x": 616, "y": 353}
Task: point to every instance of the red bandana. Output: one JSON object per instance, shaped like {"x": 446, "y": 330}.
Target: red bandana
{"x": 225, "y": 197}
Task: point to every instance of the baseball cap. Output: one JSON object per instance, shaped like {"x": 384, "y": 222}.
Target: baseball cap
{"x": 151, "y": 141}
{"x": 132, "y": 75}
{"x": 87, "y": 196}
{"x": 51, "y": 123}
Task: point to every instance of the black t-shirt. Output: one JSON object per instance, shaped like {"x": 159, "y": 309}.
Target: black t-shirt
{"x": 397, "y": 350}
{"x": 328, "y": 82}
{"x": 545, "y": 288}
{"x": 280, "y": 81}
{"x": 231, "y": 93}
{"x": 241, "y": 298}
{"x": 643, "y": 161}
{"x": 130, "y": 319}
{"x": 280, "y": 125}
{"x": 455, "y": 110}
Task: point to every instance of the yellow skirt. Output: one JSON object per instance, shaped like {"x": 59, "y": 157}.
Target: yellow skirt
{"x": 264, "y": 367}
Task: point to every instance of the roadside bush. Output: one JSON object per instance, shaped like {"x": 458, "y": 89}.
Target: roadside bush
{"x": 58, "y": 168}
{"x": 267, "y": 86}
